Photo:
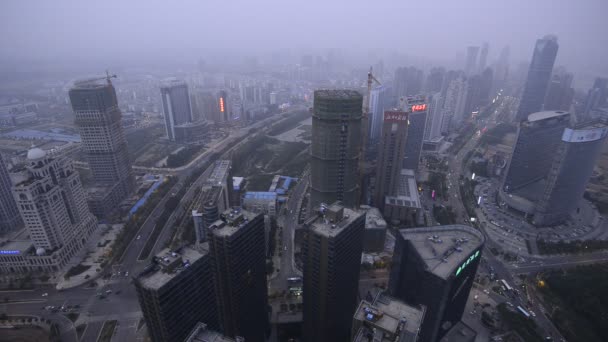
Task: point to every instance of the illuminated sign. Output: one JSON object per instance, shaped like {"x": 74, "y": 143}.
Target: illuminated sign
{"x": 9, "y": 252}
{"x": 221, "y": 104}
{"x": 419, "y": 107}
{"x": 467, "y": 262}
{"x": 395, "y": 116}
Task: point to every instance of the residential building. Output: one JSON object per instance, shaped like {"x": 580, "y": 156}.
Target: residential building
{"x": 331, "y": 256}
{"x": 435, "y": 267}
{"x": 470, "y": 66}
{"x": 177, "y": 109}
{"x": 407, "y": 82}
{"x": 538, "y": 77}
{"x": 434, "y": 80}
{"x": 10, "y": 219}
{"x": 483, "y": 57}
{"x": 336, "y": 147}
{"x": 454, "y": 104}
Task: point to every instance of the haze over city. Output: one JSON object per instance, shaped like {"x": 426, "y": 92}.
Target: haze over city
{"x": 312, "y": 171}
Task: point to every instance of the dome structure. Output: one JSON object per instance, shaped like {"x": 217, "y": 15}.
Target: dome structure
{"x": 40, "y": 251}
{"x": 35, "y": 153}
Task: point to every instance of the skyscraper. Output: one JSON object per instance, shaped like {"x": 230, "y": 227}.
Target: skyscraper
{"x": 222, "y": 105}
{"x": 538, "y": 78}
{"x": 237, "y": 245}
{"x": 98, "y": 119}
{"x": 9, "y": 213}
{"x": 378, "y": 102}
{"x": 485, "y": 87}
{"x": 483, "y": 57}
{"x": 551, "y": 164}
{"x": 336, "y": 145}
{"x": 391, "y": 154}
{"x": 454, "y": 104}
{"x": 175, "y": 292}
{"x": 560, "y": 93}
{"x": 470, "y": 66}
{"x": 331, "y": 255}
{"x": 176, "y": 105}
{"x": 434, "y": 121}
{"x": 597, "y": 96}
{"x": 53, "y": 205}
{"x": 418, "y": 109}
{"x": 435, "y": 267}
{"x": 434, "y": 80}
{"x": 408, "y": 81}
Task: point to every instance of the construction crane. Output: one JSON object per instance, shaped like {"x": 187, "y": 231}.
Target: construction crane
{"x": 89, "y": 80}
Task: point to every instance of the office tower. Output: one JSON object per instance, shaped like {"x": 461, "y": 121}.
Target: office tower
{"x": 222, "y": 105}
{"x": 483, "y": 57}
{"x": 206, "y": 105}
{"x": 454, "y": 104}
{"x": 408, "y": 81}
{"x": 403, "y": 208}
{"x": 203, "y": 333}
{"x": 560, "y": 93}
{"x": 383, "y": 318}
{"x": 538, "y": 78}
{"x": 501, "y": 71}
{"x": 551, "y": 164}
{"x": 379, "y": 100}
{"x": 331, "y": 257}
{"x": 176, "y": 291}
{"x": 375, "y": 230}
{"x": 473, "y": 96}
{"x": 176, "y": 105}
{"x": 597, "y": 95}
{"x": 391, "y": 154}
{"x": 237, "y": 244}
{"x": 434, "y": 80}
{"x": 486, "y": 80}
{"x": 435, "y": 267}
{"x": 52, "y": 203}
{"x": 434, "y": 122}
{"x": 98, "y": 119}
{"x": 10, "y": 219}
{"x": 470, "y": 66}
{"x": 417, "y": 108}
{"x": 336, "y": 146}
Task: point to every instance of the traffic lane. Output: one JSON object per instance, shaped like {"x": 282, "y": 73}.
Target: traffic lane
{"x": 92, "y": 331}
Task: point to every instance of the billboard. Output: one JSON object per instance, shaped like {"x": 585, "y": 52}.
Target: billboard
{"x": 419, "y": 107}
{"x": 395, "y": 116}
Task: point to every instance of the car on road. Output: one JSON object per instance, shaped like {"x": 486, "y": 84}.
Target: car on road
{"x": 138, "y": 237}
{"x": 45, "y": 294}
{"x": 285, "y": 248}
{"x": 127, "y": 274}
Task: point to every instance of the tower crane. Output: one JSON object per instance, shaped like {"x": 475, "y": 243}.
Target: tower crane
{"x": 107, "y": 77}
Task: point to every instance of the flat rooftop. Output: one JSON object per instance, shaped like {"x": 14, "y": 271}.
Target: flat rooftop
{"x": 338, "y": 94}
{"x": 232, "y": 220}
{"x": 200, "y": 333}
{"x": 219, "y": 173}
{"x": 261, "y": 195}
{"x": 330, "y": 227}
{"x": 169, "y": 264}
{"x": 374, "y": 219}
{"x": 388, "y": 320}
{"x": 407, "y": 191}
{"x": 546, "y": 115}
{"x": 444, "y": 248}
{"x": 15, "y": 247}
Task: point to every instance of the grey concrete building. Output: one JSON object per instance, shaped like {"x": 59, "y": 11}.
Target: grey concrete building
{"x": 418, "y": 109}
{"x": 336, "y": 147}
{"x": 177, "y": 109}
{"x": 435, "y": 267}
{"x": 176, "y": 291}
{"x": 375, "y": 230}
{"x": 10, "y": 219}
{"x": 331, "y": 256}
{"x": 538, "y": 77}
{"x": 98, "y": 119}
{"x": 237, "y": 244}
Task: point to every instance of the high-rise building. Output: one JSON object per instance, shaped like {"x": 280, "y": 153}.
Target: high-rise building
{"x": 177, "y": 109}
{"x": 483, "y": 57}
{"x": 435, "y": 118}
{"x": 454, "y": 104}
{"x": 391, "y": 154}
{"x": 98, "y": 119}
{"x": 434, "y": 80}
{"x": 378, "y": 102}
{"x": 375, "y": 230}
{"x": 222, "y": 105}
{"x": 418, "y": 109}
{"x": 237, "y": 244}
{"x": 470, "y": 66}
{"x": 331, "y": 256}
{"x": 486, "y": 82}
{"x": 435, "y": 267}
{"x": 473, "y": 96}
{"x": 551, "y": 164}
{"x": 176, "y": 291}
{"x": 538, "y": 78}
{"x": 408, "y": 81}
{"x": 52, "y": 203}
{"x": 386, "y": 319}
{"x": 9, "y": 213}
{"x": 597, "y": 96}
{"x": 336, "y": 146}
{"x": 560, "y": 93}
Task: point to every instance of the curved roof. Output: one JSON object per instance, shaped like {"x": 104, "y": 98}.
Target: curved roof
{"x": 35, "y": 153}
{"x": 546, "y": 115}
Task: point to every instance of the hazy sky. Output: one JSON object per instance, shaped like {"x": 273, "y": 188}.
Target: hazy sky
{"x": 441, "y": 29}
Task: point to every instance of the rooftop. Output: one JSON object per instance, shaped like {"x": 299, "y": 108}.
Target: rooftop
{"x": 338, "y": 94}
{"x": 334, "y": 219}
{"x": 388, "y": 320}
{"x": 15, "y": 247}
{"x": 219, "y": 173}
{"x": 546, "y": 115}
{"x": 374, "y": 219}
{"x": 231, "y": 221}
{"x": 91, "y": 83}
{"x": 261, "y": 195}
{"x": 200, "y": 333}
{"x": 460, "y": 332}
{"x": 407, "y": 191}
{"x": 444, "y": 248}
{"x": 168, "y": 264}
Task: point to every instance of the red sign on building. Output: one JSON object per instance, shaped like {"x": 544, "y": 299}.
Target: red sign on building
{"x": 419, "y": 107}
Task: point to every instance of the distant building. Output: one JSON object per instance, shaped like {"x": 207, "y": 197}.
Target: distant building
{"x": 98, "y": 119}
{"x": 560, "y": 93}
{"x": 331, "y": 255}
{"x": 177, "y": 109}
{"x": 470, "y": 66}
{"x": 434, "y": 80}
{"x": 261, "y": 202}
{"x": 223, "y": 107}
{"x": 408, "y": 82}
{"x": 404, "y": 206}
{"x": 191, "y": 132}
{"x": 435, "y": 118}
{"x": 454, "y": 104}
{"x": 435, "y": 267}
{"x": 52, "y": 203}
{"x": 538, "y": 78}
{"x": 237, "y": 246}
{"x": 10, "y": 219}
{"x": 418, "y": 108}
{"x": 175, "y": 292}
{"x": 597, "y": 96}
{"x": 483, "y": 57}
{"x": 551, "y": 164}
{"x": 375, "y": 230}
{"x": 336, "y": 145}
{"x": 386, "y": 319}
